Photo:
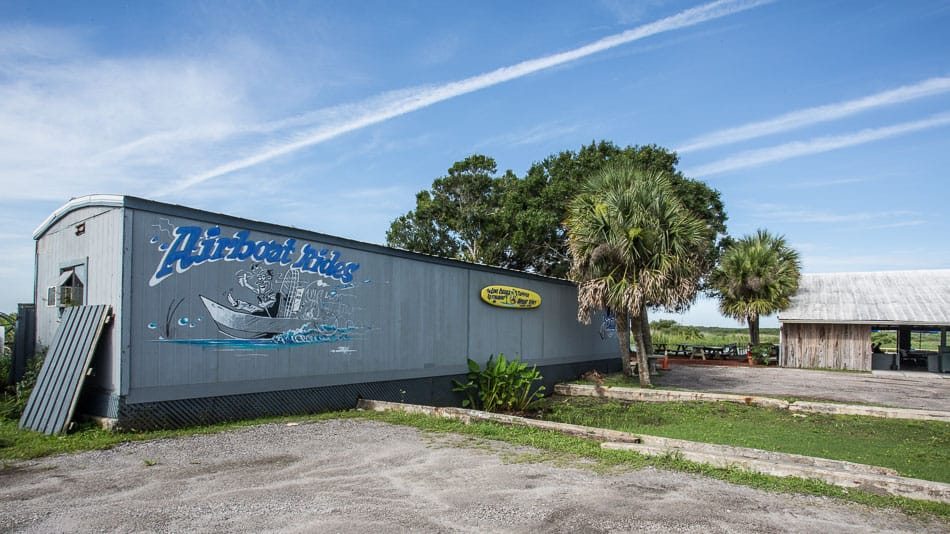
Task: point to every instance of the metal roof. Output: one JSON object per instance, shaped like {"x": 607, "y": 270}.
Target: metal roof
{"x": 53, "y": 399}
{"x": 136, "y": 203}
{"x": 112, "y": 201}
{"x": 876, "y": 298}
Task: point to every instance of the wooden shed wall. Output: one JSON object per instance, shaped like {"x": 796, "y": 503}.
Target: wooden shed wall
{"x": 826, "y": 346}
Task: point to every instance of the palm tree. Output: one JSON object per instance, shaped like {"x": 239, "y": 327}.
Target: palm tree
{"x": 632, "y": 245}
{"x": 756, "y": 276}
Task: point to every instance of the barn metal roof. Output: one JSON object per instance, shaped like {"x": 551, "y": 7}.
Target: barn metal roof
{"x": 876, "y": 298}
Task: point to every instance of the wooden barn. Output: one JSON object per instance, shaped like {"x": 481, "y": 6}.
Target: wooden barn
{"x": 830, "y": 322}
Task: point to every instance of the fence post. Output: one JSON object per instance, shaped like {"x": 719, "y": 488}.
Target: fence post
{"x": 24, "y": 340}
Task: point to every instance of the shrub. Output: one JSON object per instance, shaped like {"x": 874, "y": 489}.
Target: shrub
{"x": 14, "y": 398}
{"x": 762, "y": 353}
{"x": 502, "y": 386}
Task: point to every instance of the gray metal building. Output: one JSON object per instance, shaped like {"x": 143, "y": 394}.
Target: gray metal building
{"x": 217, "y": 317}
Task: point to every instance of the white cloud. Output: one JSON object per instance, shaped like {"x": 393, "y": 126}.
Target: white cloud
{"x": 897, "y": 224}
{"x": 374, "y": 193}
{"x": 754, "y": 158}
{"x": 819, "y": 114}
{"x": 393, "y": 104}
{"x": 123, "y": 125}
{"x": 781, "y": 213}
{"x": 536, "y": 134}
{"x": 826, "y": 183}
{"x": 629, "y": 12}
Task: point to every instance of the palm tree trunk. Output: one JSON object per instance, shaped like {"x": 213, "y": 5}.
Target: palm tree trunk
{"x": 642, "y": 355}
{"x": 623, "y": 335}
{"x": 647, "y": 335}
{"x": 753, "y": 330}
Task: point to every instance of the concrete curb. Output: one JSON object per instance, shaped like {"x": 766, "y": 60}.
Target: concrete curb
{"x": 467, "y": 416}
{"x": 839, "y": 473}
{"x": 660, "y": 395}
{"x": 842, "y": 476}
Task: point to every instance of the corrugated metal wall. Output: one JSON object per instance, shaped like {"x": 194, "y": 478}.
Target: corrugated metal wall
{"x": 826, "y": 346}
{"x": 99, "y": 249}
{"x": 410, "y": 317}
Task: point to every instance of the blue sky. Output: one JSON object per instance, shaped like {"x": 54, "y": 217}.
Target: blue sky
{"x": 826, "y": 121}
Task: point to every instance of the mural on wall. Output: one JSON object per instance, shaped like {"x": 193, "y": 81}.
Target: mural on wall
{"x": 608, "y": 325}
{"x": 281, "y": 293}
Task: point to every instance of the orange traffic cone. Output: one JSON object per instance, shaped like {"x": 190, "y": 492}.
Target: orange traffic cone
{"x": 666, "y": 360}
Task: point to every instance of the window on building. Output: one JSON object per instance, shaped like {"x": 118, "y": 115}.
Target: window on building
{"x": 68, "y": 290}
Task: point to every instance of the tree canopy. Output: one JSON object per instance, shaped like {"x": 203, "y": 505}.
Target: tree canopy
{"x": 518, "y": 223}
{"x": 756, "y": 276}
{"x": 633, "y": 244}
{"x": 459, "y": 217}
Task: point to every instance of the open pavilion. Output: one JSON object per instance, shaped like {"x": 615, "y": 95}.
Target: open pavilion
{"x": 832, "y": 316}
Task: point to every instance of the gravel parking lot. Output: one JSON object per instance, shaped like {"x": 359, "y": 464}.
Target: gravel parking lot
{"x": 901, "y": 389}
{"x": 363, "y": 476}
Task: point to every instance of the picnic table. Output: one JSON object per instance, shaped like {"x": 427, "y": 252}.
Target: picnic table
{"x": 681, "y": 350}
{"x": 714, "y": 352}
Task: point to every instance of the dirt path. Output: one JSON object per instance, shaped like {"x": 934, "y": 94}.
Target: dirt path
{"x": 360, "y": 476}
{"x": 906, "y": 390}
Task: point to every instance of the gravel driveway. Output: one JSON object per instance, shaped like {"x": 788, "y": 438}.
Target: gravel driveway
{"x": 366, "y": 476}
{"x": 901, "y": 389}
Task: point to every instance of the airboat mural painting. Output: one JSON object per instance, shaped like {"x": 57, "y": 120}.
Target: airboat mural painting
{"x": 281, "y": 293}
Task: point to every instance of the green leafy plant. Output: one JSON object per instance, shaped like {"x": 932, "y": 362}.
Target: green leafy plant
{"x": 761, "y": 353}
{"x": 13, "y": 399}
{"x": 502, "y": 386}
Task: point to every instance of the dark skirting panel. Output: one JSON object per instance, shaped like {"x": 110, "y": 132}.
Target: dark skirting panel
{"x": 433, "y": 391}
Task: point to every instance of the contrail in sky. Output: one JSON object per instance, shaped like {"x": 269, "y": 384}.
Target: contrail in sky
{"x": 398, "y": 103}
{"x": 818, "y": 145}
{"x": 829, "y": 112}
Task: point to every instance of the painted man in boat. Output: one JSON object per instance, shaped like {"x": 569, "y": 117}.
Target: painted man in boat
{"x": 259, "y": 281}
{"x": 274, "y": 313}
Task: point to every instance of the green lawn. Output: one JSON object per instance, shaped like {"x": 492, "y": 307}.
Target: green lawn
{"x": 918, "y": 449}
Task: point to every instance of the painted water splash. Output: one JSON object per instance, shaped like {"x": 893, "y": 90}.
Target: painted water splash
{"x": 185, "y": 321}
{"x": 305, "y": 335}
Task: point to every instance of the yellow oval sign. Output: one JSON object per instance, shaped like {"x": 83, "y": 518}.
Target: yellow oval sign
{"x": 511, "y": 297}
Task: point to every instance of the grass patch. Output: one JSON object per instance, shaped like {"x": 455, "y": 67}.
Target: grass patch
{"x": 918, "y": 449}
{"x": 578, "y": 452}
{"x": 16, "y": 444}
{"x": 622, "y": 380}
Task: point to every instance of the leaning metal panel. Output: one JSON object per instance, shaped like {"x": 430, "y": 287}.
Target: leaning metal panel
{"x": 53, "y": 400}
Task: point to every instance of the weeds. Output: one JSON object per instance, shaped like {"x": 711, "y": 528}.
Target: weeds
{"x": 13, "y": 399}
